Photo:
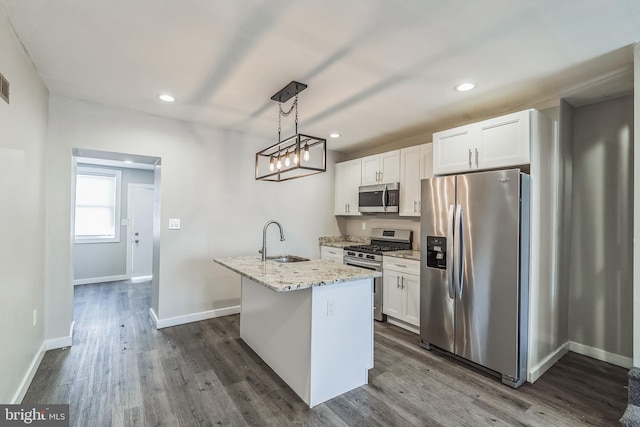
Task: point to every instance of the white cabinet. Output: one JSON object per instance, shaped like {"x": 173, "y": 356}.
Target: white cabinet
{"x": 496, "y": 143}
{"x": 401, "y": 289}
{"x": 416, "y": 163}
{"x": 452, "y": 150}
{"x": 329, "y": 253}
{"x": 381, "y": 168}
{"x": 347, "y": 181}
{"x": 392, "y": 294}
{"x": 505, "y": 141}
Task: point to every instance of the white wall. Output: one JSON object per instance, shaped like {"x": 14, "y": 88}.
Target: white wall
{"x": 103, "y": 260}
{"x": 207, "y": 180}
{"x": 23, "y": 126}
{"x": 601, "y": 291}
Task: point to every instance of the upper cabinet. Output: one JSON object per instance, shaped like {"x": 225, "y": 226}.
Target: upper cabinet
{"x": 347, "y": 181}
{"x": 496, "y": 143}
{"x": 416, "y": 163}
{"x": 381, "y": 168}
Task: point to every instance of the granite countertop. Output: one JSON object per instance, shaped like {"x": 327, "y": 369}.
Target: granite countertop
{"x": 296, "y": 275}
{"x": 414, "y": 255}
{"x": 341, "y": 245}
{"x": 343, "y": 241}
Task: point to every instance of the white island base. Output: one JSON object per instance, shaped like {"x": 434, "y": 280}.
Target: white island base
{"x": 319, "y": 340}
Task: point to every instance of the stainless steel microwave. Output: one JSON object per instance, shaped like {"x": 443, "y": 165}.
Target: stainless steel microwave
{"x": 383, "y": 198}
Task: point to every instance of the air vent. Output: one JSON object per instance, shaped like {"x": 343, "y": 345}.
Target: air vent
{"x": 4, "y": 88}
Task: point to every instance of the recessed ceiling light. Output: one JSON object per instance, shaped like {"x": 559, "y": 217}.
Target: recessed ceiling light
{"x": 463, "y": 87}
{"x": 166, "y": 97}
{"x": 334, "y": 135}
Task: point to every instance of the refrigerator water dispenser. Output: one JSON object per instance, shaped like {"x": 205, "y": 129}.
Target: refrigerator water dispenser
{"x": 437, "y": 252}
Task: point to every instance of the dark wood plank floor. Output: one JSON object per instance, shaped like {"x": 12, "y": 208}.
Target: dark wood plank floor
{"x": 123, "y": 372}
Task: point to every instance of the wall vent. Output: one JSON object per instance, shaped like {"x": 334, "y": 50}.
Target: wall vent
{"x": 4, "y": 88}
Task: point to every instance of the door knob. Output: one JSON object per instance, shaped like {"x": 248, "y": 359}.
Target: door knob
{"x": 136, "y": 234}
{"x": 137, "y": 241}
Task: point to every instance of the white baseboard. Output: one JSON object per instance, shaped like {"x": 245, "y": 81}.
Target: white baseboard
{"x": 195, "y": 317}
{"x": 60, "y": 342}
{"x": 605, "y": 356}
{"x": 50, "y": 344}
{"x": 542, "y": 367}
{"x": 100, "y": 280}
{"x": 28, "y": 376}
{"x": 403, "y": 325}
{"x": 154, "y": 318}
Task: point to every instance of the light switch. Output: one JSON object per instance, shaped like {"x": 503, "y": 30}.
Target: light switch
{"x": 174, "y": 224}
{"x": 124, "y": 221}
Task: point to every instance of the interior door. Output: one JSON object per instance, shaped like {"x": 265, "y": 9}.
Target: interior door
{"x": 487, "y": 301}
{"x": 436, "y": 305}
{"x": 141, "y": 222}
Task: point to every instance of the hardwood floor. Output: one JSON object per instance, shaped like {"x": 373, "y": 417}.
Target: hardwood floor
{"x": 121, "y": 371}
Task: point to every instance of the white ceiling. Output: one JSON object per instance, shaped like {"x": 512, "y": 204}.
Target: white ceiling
{"x": 377, "y": 70}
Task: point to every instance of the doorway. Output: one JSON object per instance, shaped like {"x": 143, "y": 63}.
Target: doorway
{"x": 144, "y": 217}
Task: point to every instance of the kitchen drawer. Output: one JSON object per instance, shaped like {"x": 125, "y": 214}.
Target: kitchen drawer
{"x": 401, "y": 265}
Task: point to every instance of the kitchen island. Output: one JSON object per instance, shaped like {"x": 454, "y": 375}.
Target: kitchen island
{"x": 310, "y": 321}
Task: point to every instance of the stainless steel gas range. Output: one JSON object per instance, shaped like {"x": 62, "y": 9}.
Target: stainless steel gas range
{"x": 370, "y": 256}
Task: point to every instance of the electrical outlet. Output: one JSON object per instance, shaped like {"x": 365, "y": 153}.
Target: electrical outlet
{"x": 35, "y": 317}
{"x": 174, "y": 224}
{"x": 331, "y": 307}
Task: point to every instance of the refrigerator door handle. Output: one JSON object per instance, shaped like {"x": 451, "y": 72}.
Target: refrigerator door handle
{"x": 459, "y": 251}
{"x": 450, "y": 254}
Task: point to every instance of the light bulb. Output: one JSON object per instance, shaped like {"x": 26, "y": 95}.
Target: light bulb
{"x": 305, "y": 156}
{"x": 279, "y": 164}
{"x": 295, "y": 158}
{"x": 272, "y": 165}
{"x": 287, "y": 160}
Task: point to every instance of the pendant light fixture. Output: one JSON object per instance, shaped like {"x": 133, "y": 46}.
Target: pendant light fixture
{"x": 294, "y": 157}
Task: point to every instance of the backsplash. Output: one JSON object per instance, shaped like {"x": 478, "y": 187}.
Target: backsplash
{"x": 353, "y": 226}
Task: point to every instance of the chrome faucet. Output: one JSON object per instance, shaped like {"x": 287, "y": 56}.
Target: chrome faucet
{"x": 263, "y": 251}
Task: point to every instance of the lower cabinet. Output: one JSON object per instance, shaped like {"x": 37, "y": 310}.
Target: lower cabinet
{"x": 329, "y": 253}
{"x": 401, "y": 289}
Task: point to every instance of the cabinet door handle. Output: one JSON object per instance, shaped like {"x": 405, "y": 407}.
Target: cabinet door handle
{"x": 476, "y": 157}
{"x": 380, "y": 176}
{"x": 414, "y": 206}
{"x": 402, "y": 282}
{"x": 470, "y": 164}
{"x": 401, "y": 265}
{"x": 397, "y": 281}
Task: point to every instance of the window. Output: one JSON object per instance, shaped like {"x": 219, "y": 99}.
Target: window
{"x": 97, "y": 205}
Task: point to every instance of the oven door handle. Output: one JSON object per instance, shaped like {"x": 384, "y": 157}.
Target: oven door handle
{"x": 362, "y": 263}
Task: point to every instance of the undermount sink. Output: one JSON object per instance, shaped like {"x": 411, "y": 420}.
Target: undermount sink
{"x": 287, "y": 258}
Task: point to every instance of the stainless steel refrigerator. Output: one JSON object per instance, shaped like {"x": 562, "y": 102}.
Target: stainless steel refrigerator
{"x": 475, "y": 269}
